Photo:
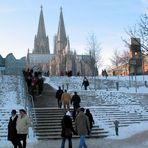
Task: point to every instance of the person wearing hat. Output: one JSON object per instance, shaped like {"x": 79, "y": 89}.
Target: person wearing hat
{"x": 12, "y": 133}
{"x": 22, "y": 126}
{"x": 67, "y": 129}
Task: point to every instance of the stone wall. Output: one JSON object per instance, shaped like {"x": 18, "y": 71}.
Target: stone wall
{"x": 12, "y": 66}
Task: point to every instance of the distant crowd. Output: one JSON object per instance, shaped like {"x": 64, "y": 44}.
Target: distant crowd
{"x": 34, "y": 81}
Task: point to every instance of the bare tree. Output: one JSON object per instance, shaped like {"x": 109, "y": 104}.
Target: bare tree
{"x": 116, "y": 58}
{"x": 124, "y": 58}
{"x": 140, "y": 30}
{"x": 94, "y": 52}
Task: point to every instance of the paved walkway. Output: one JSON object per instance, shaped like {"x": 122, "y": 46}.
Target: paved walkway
{"x": 136, "y": 141}
{"x": 47, "y": 99}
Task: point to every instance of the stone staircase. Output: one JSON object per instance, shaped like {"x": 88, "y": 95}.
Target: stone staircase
{"x": 48, "y": 121}
{"x": 46, "y": 117}
{"x": 5, "y": 113}
{"x": 47, "y": 124}
{"x": 107, "y": 114}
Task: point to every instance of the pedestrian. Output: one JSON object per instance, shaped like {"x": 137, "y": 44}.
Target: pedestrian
{"x": 66, "y": 99}
{"x": 40, "y": 84}
{"x": 82, "y": 127}
{"x": 33, "y": 86}
{"x": 76, "y": 103}
{"x": 58, "y": 96}
{"x": 67, "y": 129}
{"x": 116, "y": 123}
{"x": 90, "y": 117}
{"x": 12, "y": 133}
{"x": 22, "y": 126}
{"x": 85, "y": 83}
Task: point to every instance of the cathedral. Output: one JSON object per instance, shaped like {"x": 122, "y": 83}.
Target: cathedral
{"x": 63, "y": 60}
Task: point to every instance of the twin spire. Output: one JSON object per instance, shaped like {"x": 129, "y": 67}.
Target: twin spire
{"x": 41, "y": 42}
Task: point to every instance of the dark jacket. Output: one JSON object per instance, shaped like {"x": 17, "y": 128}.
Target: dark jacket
{"x": 67, "y": 125}
{"x": 76, "y": 101}
{"x": 59, "y": 94}
{"x": 85, "y": 82}
{"x": 90, "y": 117}
{"x": 12, "y": 133}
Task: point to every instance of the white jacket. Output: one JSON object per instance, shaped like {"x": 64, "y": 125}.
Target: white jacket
{"x": 22, "y": 124}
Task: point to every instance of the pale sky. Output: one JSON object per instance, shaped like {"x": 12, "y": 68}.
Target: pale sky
{"x": 107, "y": 19}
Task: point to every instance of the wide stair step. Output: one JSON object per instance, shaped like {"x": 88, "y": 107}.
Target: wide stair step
{"x": 47, "y": 124}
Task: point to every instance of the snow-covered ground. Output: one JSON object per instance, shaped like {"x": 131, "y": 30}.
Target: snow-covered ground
{"x": 100, "y": 92}
{"x": 124, "y": 98}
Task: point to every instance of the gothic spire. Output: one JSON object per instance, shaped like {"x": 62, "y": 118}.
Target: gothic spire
{"x": 41, "y": 25}
{"x": 61, "y": 35}
{"x": 41, "y": 42}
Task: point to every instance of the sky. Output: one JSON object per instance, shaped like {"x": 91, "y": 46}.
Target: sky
{"x": 11, "y": 92}
{"x": 107, "y": 19}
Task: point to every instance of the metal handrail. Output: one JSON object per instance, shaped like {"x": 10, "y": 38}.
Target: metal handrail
{"x": 29, "y": 100}
{"x": 32, "y": 103}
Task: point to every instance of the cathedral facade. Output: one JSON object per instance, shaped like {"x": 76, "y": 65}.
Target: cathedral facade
{"x": 62, "y": 60}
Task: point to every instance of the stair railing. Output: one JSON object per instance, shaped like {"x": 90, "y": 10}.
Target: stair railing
{"x": 31, "y": 111}
{"x": 29, "y": 106}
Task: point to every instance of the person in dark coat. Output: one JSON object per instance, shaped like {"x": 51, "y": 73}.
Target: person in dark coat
{"x": 40, "y": 85}
{"x": 90, "y": 117}
{"x": 12, "y": 132}
{"x": 67, "y": 129}
{"x": 85, "y": 83}
{"x": 58, "y": 96}
{"x": 76, "y": 103}
{"x": 116, "y": 123}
